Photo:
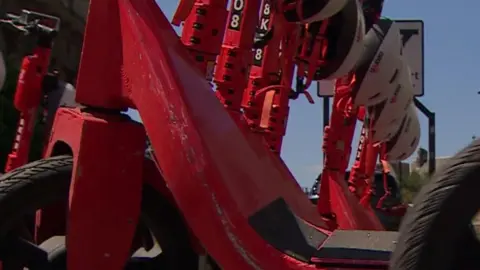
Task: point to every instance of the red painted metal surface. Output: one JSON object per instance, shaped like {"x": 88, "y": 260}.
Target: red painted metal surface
{"x": 108, "y": 151}
{"x": 265, "y": 101}
{"x": 276, "y": 108}
{"x": 336, "y": 203}
{"x": 102, "y": 220}
{"x": 218, "y": 172}
{"x": 361, "y": 182}
{"x": 178, "y": 109}
{"x": 235, "y": 59}
{"x": 264, "y": 70}
{"x": 203, "y": 32}
{"x": 194, "y": 134}
{"x": 28, "y": 95}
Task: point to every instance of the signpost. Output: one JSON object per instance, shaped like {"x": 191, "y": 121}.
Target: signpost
{"x": 412, "y": 35}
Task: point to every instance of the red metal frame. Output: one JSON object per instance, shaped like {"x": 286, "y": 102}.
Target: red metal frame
{"x": 258, "y": 99}
{"x": 265, "y": 69}
{"x": 217, "y": 170}
{"x": 275, "y": 109}
{"x": 28, "y": 97}
{"x": 234, "y": 61}
{"x": 203, "y": 31}
{"x": 34, "y": 68}
{"x": 334, "y": 194}
{"x": 360, "y": 181}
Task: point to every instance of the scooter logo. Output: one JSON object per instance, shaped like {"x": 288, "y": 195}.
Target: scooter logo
{"x": 376, "y": 63}
{"x": 395, "y": 94}
{"x": 363, "y": 133}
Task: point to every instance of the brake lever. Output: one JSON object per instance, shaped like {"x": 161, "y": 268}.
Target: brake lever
{"x": 12, "y": 23}
{"x": 301, "y": 89}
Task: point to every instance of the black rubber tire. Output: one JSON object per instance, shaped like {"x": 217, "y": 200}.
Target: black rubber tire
{"x": 436, "y": 234}
{"x": 44, "y": 182}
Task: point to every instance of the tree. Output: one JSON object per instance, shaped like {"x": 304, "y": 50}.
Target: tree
{"x": 411, "y": 185}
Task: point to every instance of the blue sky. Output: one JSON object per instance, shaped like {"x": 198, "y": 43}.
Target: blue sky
{"x": 452, "y": 76}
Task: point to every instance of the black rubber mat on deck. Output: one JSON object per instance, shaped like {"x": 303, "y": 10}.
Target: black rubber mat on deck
{"x": 282, "y": 229}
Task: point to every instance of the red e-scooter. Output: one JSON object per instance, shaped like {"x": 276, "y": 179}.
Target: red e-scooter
{"x": 30, "y": 89}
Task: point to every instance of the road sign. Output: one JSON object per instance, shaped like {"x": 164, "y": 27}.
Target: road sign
{"x": 412, "y": 35}
{"x": 325, "y": 88}
{"x": 411, "y": 32}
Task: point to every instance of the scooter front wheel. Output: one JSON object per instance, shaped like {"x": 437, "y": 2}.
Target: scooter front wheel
{"x": 437, "y": 233}
{"x": 45, "y": 182}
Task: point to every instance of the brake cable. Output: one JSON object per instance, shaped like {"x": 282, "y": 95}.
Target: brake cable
{"x": 316, "y": 49}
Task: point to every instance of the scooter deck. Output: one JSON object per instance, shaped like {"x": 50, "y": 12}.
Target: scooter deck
{"x": 236, "y": 196}
{"x": 372, "y": 249}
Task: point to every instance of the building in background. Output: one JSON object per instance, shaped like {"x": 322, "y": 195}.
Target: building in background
{"x": 68, "y": 44}
{"x": 403, "y": 169}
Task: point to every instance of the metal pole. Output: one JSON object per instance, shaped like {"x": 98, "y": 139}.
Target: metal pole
{"x": 326, "y": 111}
{"x": 326, "y": 106}
{"x": 431, "y": 135}
{"x": 431, "y": 144}
{"x": 326, "y": 115}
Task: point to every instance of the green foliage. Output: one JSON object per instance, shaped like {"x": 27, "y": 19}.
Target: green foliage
{"x": 9, "y": 119}
{"x": 411, "y": 185}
